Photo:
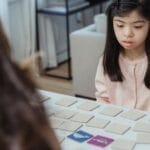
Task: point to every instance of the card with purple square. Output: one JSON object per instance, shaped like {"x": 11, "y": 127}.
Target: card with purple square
{"x": 100, "y": 141}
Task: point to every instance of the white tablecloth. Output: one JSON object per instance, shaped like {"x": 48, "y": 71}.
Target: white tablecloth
{"x": 68, "y": 144}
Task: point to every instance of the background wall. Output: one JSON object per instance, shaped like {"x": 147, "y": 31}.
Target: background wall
{"x": 52, "y": 31}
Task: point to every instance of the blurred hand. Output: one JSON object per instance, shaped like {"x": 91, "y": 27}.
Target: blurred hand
{"x": 31, "y": 65}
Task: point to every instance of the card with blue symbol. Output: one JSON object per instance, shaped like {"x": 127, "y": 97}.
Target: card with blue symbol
{"x": 80, "y": 136}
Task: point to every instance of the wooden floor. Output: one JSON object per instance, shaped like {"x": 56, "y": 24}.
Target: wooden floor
{"x": 61, "y": 70}
{"x": 58, "y": 85}
{"x": 55, "y": 85}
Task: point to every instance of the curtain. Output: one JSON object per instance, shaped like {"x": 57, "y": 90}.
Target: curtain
{"x": 18, "y": 17}
{"x": 47, "y": 41}
{"x": 46, "y": 37}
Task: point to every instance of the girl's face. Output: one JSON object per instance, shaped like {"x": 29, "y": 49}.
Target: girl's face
{"x": 131, "y": 30}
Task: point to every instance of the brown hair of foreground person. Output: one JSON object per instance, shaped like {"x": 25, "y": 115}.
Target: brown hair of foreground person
{"x": 23, "y": 121}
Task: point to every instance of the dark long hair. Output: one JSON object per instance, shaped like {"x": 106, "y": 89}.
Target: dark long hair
{"x": 23, "y": 120}
{"x": 112, "y": 47}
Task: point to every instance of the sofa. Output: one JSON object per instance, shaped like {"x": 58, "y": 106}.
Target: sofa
{"x": 87, "y": 45}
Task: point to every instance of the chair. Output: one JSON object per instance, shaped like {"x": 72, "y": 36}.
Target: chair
{"x": 87, "y": 44}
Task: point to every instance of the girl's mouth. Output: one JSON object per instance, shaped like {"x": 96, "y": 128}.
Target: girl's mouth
{"x": 127, "y": 43}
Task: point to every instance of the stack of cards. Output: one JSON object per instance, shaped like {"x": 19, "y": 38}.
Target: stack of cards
{"x": 55, "y": 122}
{"x": 123, "y": 144}
{"x": 133, "y": 115}
{"x": 80, "y": 136}
{"x": 142, "y": 127}
{"x": 98, "y": 123}
{"x": 82, "y": 117}
{"x": 111, "y": 111}
{"x": 44, "y": 97}
{"x": 100, "y": 141}
{"x": 66, "y": 114}
{"x": 70, "y": 126}
{"x": 88, "y": 106}
{"x": 143, "y": 138}
{"x": 117, "y": 128}
{"x": 66, "y": 101}
{"x": 60, "y": 138}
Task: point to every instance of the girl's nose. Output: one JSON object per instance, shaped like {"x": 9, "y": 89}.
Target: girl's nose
{"x": 128, "y": 32}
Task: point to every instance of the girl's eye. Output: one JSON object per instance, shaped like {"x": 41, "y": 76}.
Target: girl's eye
{"x": 120, "y": 25}
{"x": 138, "y": 27}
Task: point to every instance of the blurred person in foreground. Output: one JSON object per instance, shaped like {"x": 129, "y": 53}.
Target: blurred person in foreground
{"x": 23, "y": 121}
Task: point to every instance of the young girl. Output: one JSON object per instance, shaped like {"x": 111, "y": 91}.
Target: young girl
{"x": 123, "y": 73}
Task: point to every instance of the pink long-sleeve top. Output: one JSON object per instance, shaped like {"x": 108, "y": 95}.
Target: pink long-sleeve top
{"x": 132, "y": 92}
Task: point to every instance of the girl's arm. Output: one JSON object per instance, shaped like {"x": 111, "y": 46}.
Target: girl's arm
{"x": 101, "y": 93}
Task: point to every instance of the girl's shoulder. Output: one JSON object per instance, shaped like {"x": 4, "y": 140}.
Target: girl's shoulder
{"x": 100, "y": 63}
{"x": 101, "y": 59}
{"x": 100, "y": 67}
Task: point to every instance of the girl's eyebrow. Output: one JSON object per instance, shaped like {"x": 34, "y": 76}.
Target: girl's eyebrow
{"x": 138, "y": 21}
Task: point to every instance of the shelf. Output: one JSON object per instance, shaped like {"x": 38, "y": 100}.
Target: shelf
{"x": 62, "y": 11}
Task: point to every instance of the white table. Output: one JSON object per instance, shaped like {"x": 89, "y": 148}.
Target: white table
{"x": 68, "y": 144}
